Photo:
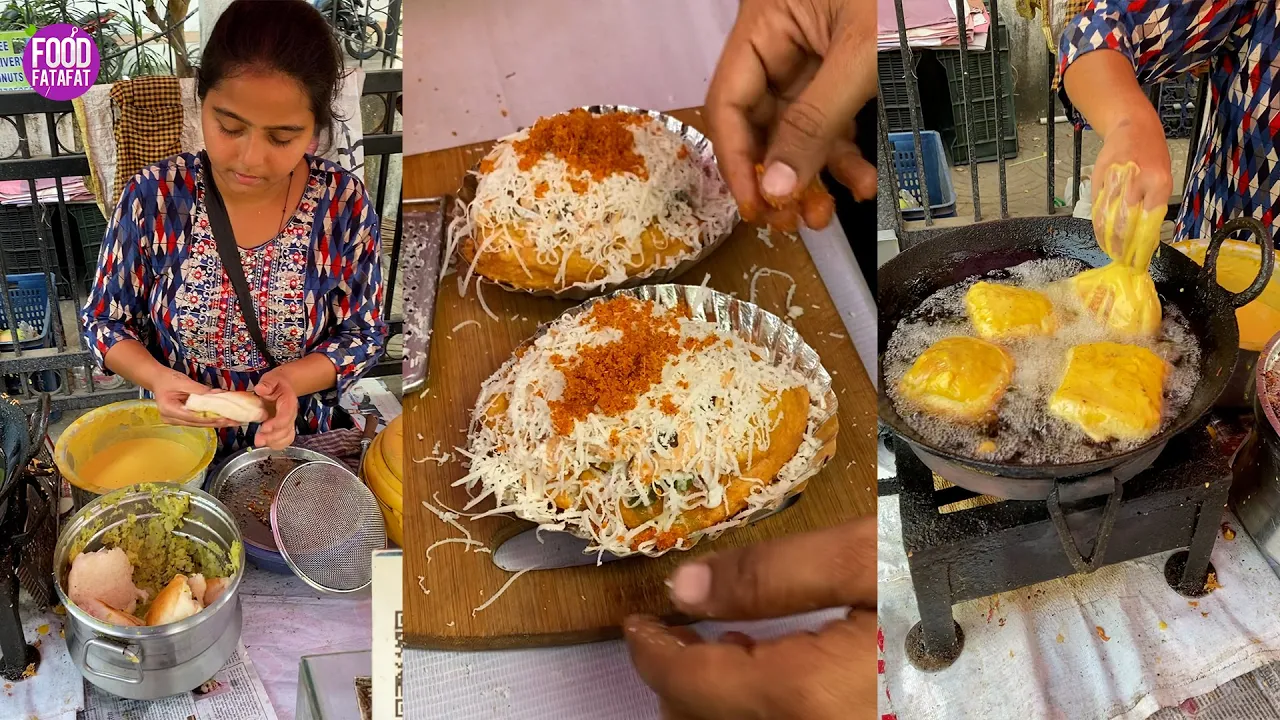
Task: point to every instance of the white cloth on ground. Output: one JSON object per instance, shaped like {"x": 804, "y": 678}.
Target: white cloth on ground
{"x": 1039, "y": 652}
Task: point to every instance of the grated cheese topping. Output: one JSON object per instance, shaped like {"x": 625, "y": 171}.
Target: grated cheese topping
{"x": 502, "y": 589}
{"x": 599, "y": 414}
{"x": 562, "y": 208}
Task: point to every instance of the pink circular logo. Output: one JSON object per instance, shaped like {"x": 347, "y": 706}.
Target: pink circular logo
{"x": 60, "y": 62}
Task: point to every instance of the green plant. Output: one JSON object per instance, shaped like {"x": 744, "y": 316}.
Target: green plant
{"x": 121, "y": 58}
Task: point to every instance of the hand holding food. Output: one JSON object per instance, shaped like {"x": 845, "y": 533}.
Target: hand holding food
{"x": 1138, "y": 141}
{"x": 242, "y": 407}
{"x": 172, "y": 392}
{"x": 827, "y": 675}
{"x": 791, "y": 78}
{"x": 1121, "y": 294}
{"x": 277, "y": 432}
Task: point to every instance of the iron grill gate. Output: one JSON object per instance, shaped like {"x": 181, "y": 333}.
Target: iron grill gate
{"x": 912, "y": 232}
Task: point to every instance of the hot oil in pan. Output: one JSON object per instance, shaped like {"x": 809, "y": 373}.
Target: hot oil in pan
{"x": 1023, "y": 431}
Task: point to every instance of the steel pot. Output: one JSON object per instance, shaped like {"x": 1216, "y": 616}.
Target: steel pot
{"x": 1255, "y": 489}
{"x": 145, "y": 663}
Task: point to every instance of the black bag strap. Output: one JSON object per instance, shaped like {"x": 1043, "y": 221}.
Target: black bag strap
{"x": 229, "y": 252}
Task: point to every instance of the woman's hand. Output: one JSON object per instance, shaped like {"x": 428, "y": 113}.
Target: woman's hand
{"x": 791, "y": 78}
{"x": 171, "y": 392}
{"x": 827, "y": 675}
{"x": 1103, "y": 87}
{"x": 1139, "y": 139}
{"x": 277, "y": 432}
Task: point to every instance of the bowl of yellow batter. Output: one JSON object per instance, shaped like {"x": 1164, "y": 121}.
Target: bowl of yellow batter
{"x": 127, "y": 443}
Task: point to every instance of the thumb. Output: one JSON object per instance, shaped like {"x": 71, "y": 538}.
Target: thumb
{"x": 266, "y": 387}
{"x": 828, "y": 568}
{"x": 823, "y": 112}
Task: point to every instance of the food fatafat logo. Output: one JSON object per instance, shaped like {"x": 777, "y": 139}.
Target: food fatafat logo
{"x": 60, "y": 61}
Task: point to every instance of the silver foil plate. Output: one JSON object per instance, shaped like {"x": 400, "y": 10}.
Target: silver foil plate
{"x": 745, "y": 320}
{"x": 700, "y": 150}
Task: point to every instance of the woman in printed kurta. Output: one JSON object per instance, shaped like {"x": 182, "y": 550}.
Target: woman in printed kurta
{"x": 1234, "y": 169}
{"x": 162, "y": 311}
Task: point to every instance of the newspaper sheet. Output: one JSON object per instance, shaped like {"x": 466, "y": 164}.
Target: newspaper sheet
{"x": 235, "y": 693}
{"x": 371, "y": 396}
{"x": 388, "y": 635}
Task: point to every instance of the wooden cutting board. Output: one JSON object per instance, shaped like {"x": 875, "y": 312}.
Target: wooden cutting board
{"x": 584, "y": 604}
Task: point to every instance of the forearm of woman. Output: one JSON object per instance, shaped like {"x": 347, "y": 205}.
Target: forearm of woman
{"x": 311, "y": 374}
{"x": 130, "y": 360}
{"x": 1104, "y": 88}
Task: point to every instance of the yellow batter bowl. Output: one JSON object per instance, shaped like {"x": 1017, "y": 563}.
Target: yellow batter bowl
{"x": 1238, "y": 265}
{"x": 126, "y": 443}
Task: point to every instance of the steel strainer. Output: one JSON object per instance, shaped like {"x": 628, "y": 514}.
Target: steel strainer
{"x": 327, "y": 524}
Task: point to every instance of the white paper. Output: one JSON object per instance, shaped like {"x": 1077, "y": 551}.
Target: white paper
{"x": 475, "y": 71}
{"x": 56, "y": 691}
{"x": 1039, "y": 652}
{"x": 235, "y": 693}
{"x": 371, "y": 395}
{"x": 388, "y": 634}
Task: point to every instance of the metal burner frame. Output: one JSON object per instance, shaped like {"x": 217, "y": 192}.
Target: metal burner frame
{"x": 956, "y": 556}
{"x": 28, "y": 509}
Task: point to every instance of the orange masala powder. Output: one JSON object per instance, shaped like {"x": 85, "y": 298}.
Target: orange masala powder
{"x": 609, "y": 378}
{"x": 598, "y": 145}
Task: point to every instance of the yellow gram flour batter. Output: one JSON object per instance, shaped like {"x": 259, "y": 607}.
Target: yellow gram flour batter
{"x": 139, "y": 460}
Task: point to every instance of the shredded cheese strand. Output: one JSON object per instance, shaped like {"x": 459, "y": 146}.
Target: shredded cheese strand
{"x": 484, "y": 305}
{"x": 451, "y": 541}
{"x": 502, "y": 589}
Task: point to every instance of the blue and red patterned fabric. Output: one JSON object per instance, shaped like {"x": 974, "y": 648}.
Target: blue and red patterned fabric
{"x": 1235, "y": 171}
{"x": 317, "y": 286}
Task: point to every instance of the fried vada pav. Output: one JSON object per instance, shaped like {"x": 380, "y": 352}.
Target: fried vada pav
{"x": 1002, "y": 312}
{"x": 586, "y": 199}
{"x": 1111, "y": 391}
{"x": 960, "y": 378}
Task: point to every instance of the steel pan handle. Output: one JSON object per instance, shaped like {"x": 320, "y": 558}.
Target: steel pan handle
{"x": 118, "y": 650}
{"x": 1263, "y": 237}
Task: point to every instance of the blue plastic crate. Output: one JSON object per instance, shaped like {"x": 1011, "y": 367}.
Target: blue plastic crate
{"x": 937, "y": 173}
{"x": 29, "y": 296}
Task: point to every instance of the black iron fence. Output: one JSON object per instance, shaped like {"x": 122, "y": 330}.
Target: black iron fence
{"x": 48, "y": 249}
{"x": 913, "y": 176}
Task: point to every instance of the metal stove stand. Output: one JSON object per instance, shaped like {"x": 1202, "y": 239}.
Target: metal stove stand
{"x": 1003, "y": 545}
{"x": 28, "y": 531}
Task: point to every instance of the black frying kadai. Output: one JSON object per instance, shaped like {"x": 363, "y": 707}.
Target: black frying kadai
{"x": 912, "y": 276}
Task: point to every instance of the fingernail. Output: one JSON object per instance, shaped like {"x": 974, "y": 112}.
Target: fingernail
{"x": 779, "y": 180}
{"x": 633, "y": 623}
{"x": 691, "y": 584}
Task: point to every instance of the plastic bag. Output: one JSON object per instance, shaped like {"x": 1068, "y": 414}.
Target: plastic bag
{"x": 1121, "y": 295}
{"x": 1126, "y": 233}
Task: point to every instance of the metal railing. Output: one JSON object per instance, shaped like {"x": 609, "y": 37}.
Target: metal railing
{"x": 912, "y": 232}
{"x": 65, "y": 362}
